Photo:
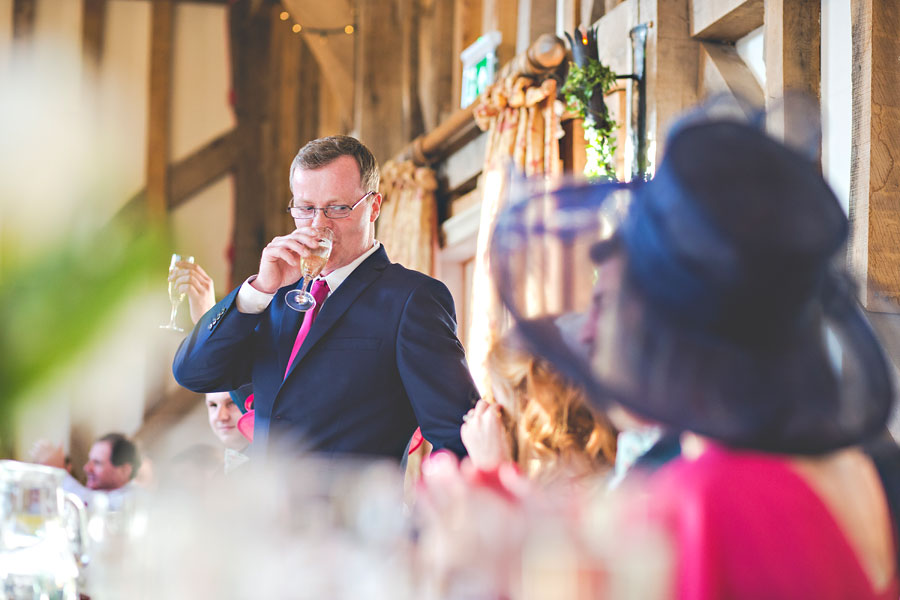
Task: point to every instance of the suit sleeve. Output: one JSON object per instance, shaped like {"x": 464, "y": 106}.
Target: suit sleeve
{"x": 432, "y": 365}
{"x": 217, "y": 355}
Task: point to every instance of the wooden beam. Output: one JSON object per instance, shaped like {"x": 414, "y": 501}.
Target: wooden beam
{"x": 535, "y": 17}
{"x": 435, "y": 42}
{"x": 673, "y": 66}
{"x": 93, "y": 24}
{"x": 725, "y": 20}
{"x": 502, "y": 16}
{"x": 250, "y": 30}
{"x": 793, "y": 59}
{"x": 467, "y": 18}
{"x": 23, "y": 19}
{"x": 202, "y": 168}
{"x": 874, "y": 248}
{"x": 723, "y": 70}
{"x": 380, "y": 81}
{"x": 159, "y": 108}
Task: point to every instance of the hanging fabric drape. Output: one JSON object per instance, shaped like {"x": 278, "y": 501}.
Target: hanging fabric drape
{"x": 522, "y": 118}
{"x": 408, "y": 223}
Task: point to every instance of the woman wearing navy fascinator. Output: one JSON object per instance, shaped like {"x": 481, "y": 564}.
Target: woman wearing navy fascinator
{"x": 729, "y": 323}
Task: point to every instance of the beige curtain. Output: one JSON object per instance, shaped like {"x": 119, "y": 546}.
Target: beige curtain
{"x": 407, "y": 225}
{"x": 522, "y": 118}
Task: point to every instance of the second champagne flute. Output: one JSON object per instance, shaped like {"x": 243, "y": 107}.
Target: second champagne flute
{"x": 176, "y": 296}
{"x": 300, "y": 299}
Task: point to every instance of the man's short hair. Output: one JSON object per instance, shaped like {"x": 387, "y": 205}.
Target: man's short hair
{"x": 122, "y": 450}
{"x": 323, "y": 151}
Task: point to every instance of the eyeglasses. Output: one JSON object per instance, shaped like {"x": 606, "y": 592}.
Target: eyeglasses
{"x": 339, "y": 211}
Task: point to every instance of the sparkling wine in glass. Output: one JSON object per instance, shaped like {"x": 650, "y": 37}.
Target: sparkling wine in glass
{"x": 176, "y": 297}
{"x": 310, "y": 266}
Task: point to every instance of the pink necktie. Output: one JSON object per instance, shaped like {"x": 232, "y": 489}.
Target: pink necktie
{"x": 319, "y": 291}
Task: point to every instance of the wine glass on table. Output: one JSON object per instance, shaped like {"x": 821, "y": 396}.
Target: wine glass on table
{"x": 176, "y": 295}
{"x": 310, "y": 266}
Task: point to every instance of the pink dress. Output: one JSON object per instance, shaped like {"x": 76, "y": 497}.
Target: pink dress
{"x": 746, "y": 526}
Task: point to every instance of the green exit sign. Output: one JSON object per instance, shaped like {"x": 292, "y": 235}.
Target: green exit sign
{"x": 479, "y": 66}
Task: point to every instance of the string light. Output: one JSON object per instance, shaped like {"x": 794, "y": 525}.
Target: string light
{"x": 284, "y": 16}
{"x": 296, "y": 28}
{"x": 348, "y": 29}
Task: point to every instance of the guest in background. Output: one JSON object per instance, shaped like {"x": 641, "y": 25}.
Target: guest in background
{"x": 224, "y": 415}
{"x": 113, "y": 462}
{"x": 199, "y": 287}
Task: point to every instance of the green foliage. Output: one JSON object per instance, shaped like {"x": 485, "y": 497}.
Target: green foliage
{"x": 55, "y": 303}
{"x": 599, "y": 133}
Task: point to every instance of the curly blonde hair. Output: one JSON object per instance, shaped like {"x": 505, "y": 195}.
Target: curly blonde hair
{"x": 552, "y": 429}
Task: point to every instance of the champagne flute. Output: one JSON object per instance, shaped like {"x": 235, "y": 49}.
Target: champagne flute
{"x": 300, "y": 299}
{"x": 176, "y": 297}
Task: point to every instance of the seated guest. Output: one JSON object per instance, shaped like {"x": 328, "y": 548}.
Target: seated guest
{"x": 731, "y": 324}
{"x": 113, "y": 462}
{"x": 224, "y": 415}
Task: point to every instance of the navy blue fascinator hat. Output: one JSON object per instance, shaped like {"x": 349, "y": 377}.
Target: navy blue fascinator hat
{"x": 711, "y": 297}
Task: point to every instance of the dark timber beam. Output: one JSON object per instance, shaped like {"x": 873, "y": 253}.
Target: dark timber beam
{"x": 202, "y": 168}
{"x": 159, "y": 119}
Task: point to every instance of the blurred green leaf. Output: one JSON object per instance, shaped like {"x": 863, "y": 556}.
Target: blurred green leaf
{"x": 53, "y": 305}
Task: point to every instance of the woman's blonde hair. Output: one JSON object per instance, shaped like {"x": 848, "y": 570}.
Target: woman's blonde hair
{"x": 553, "y": 430}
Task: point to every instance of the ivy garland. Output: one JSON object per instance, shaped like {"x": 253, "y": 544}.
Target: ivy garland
{"x": 599, "y": 130}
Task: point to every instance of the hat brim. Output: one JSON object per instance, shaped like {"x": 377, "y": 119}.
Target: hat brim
{"x": 823, "y": 386}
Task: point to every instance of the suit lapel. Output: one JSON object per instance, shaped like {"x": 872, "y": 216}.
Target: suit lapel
{"x": 339, "y": 302}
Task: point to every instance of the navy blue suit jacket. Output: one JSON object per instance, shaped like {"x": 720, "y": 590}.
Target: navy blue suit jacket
{"x": 381, "y": 358}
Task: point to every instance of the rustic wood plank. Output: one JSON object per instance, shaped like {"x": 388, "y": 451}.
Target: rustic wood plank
{"x": 159, "y": 111}
{"x": 250, "y": 31}
{"x": 502, "y": 15}
{"x": 438, "y": 62}
{"x": 535, "y": 17}
{"x": 23, "y": 19}
{"x": 202, "y": 168}
{"x": 723, "y": 70}
{"x": 874, "y": 247}
{"x": 725, "y": 20}
{"x": 93, "y": 23}
{"x": 380, "y": 81}
{"x": 793, "y": 58}
{"x": 467, "y": 18}
{"x": 673, "y": 65}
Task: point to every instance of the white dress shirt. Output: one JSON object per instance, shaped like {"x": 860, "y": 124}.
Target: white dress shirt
{"x": 250, "y": 300}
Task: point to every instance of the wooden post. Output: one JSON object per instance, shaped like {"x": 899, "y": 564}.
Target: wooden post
{"x": 672, "y": 68}
{"x": 159, "y": 110}
{"x": 874, "y": 248}
{"x": 793, "y": 57}
{"x": 435, "y": 41}
{"x": 535, "y": 18}
{"x": 467, "y": 18}
{"x": 380, "y": 81}
{"x": 92, "y": 32}
{"x": 23, "y": 19}
{"x": 250, "y": 31}
{"x": 502, "y": 15}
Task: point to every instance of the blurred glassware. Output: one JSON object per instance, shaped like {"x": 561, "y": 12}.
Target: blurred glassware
{"x": 39, "y": 558}
{"x": 176, "y": 296}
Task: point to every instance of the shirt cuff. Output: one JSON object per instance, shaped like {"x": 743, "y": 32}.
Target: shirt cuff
{"x": 250, "y": 300}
